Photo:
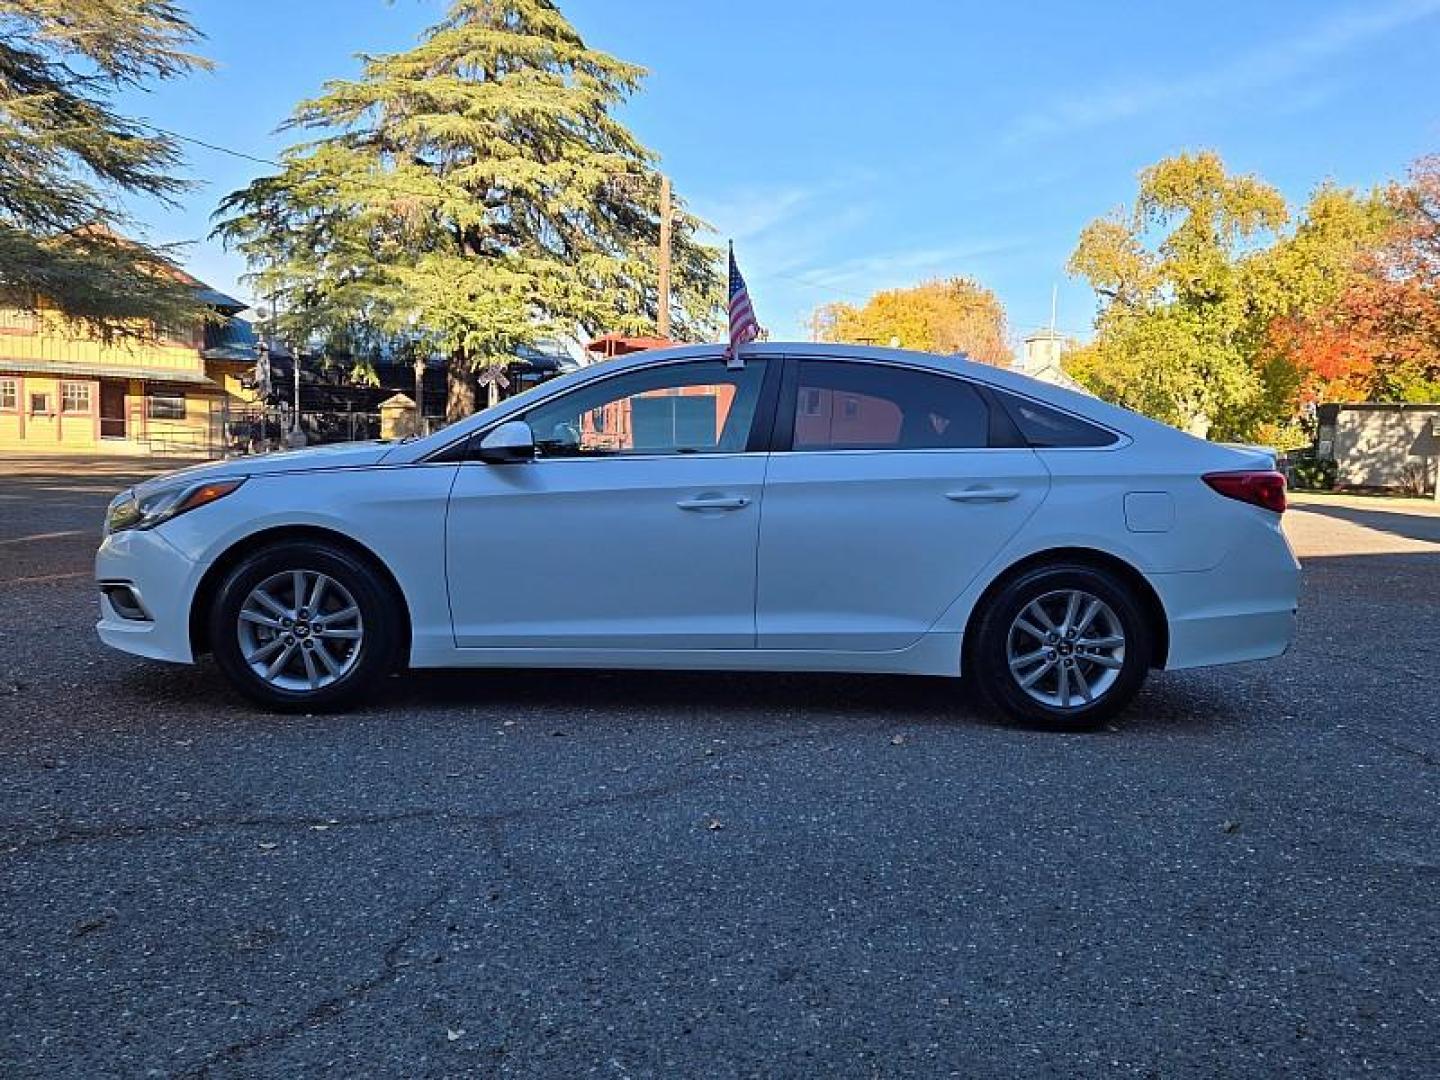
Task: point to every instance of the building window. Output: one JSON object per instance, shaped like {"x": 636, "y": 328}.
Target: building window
{"x": 9, "y": 394}
{"x": 177, "y": 335}
{"x": 75, "y": 397}
{"x": 39, "y": 404}
{"x": 165, "y": 406}
{"x": 17, "y": 311}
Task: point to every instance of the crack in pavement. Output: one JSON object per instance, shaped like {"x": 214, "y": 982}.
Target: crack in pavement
{"x": 336, "y": 1006}
{"x": 331, "y": 1008}
{"x": 1399, "y": 747}
{"x": 493, "y": 819}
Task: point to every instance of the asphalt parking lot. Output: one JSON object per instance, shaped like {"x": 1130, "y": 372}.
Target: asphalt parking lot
{"x": 540, "y": 874}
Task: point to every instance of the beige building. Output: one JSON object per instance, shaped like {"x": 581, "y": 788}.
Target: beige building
{"x": 1389, "y": 446}
{"x": 1040, "y": 359}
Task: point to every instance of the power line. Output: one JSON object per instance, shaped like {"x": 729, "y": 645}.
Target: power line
{"x": 817, "y": 287}
{"x": 212, "y": 146}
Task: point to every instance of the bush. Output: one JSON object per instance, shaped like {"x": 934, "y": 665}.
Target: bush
{"x": 1312, "y": 474}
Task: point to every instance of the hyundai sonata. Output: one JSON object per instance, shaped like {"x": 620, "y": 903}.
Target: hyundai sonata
{"x": 802, "y": 508}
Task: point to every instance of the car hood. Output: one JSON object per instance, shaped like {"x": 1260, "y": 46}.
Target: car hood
{"x": 335, "y": 456}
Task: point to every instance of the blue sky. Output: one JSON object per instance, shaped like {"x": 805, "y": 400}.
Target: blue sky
{"x": 848, "y": 146}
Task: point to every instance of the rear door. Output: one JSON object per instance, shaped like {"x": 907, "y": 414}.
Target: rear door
{"x": 889, "y": 491}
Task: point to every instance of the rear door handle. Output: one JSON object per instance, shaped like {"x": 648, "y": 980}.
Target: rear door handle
{"x": 715, "y": 502}
{"x": 983, "y": 495}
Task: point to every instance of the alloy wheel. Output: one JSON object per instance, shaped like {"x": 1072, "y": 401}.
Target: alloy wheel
{"x": 300, "y": 630}
{"x": 1066, "y": 648}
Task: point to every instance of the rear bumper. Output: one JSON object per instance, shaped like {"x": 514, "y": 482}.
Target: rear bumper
{"x": 1242, "y": 609}
{"x": 162, "y": 580}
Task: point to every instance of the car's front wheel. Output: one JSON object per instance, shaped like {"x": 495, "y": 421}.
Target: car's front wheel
{"x": 304, "y": 626}
{"x": 1064, "y": 646}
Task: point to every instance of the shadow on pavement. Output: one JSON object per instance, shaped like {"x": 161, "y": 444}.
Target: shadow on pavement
{"x": 1412, "y": 526}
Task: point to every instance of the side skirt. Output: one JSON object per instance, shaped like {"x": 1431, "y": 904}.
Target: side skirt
{"x": 933, "y": 654}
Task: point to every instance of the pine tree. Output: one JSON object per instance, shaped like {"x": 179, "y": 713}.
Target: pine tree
{"x": 66, "y": 153}
{"x": 469, "y": 196}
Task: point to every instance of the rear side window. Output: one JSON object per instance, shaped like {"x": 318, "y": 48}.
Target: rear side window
{"x": 1048, "y": 429}
{"x": 847, "y": 406}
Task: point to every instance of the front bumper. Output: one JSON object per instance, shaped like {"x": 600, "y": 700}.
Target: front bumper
{"x": 162, "y": 579}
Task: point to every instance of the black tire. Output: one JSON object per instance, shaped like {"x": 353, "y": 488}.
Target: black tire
{"x": 987, "y": 662}
{"x": 371, "y": 658}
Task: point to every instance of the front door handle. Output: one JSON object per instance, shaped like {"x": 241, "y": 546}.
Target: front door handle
{"x": 714, "y": 502}
{"x": 983, "y": 495}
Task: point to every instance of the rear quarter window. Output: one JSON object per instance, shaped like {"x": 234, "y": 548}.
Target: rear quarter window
{"x": 1046, "y": 428}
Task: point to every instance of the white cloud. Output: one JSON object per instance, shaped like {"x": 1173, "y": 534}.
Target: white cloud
{"x": 864, "y": 274}
{"x": 1258, "y": 69}
{"x": 741, "y": 215}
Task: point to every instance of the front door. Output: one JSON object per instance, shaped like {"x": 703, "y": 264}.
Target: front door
{"x": 888, "y": 504}
{"x": 635, "y": 528}
{"x": 112, "y": 409}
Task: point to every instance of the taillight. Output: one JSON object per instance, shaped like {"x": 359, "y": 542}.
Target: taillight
{"x": 1263, "y": 489}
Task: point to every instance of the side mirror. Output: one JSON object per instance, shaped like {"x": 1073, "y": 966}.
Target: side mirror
{"x": 507, "y": 444}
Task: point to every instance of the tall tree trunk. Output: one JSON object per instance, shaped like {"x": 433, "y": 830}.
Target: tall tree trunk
{"x": 461, "y": 387}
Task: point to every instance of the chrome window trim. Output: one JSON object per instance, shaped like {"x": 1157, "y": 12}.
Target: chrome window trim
{"x": 681, "y": 361}
{"x": 1121, "y": 439}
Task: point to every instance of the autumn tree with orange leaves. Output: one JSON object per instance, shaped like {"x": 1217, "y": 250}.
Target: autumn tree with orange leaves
{"x": 1381, "y": 339}
{"x": 1222, "y": 312}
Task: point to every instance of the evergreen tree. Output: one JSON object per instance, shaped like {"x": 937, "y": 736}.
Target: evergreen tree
{"x": 66, "y": 153}
{"x": 469, "y": 196}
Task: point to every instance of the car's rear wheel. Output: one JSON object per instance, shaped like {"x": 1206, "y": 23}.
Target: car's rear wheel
{"x": 1063, "y": 646}
{"x": 304, "y": 626}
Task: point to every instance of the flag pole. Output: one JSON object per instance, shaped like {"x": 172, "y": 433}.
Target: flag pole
{"x": 734, "y": 360}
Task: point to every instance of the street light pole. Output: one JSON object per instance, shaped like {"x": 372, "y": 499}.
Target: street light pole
{"x": 297, "y": 434}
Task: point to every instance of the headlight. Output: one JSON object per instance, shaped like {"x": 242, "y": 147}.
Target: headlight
{"x": 130, "y": 510}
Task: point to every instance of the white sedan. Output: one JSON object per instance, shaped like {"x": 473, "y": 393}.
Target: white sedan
{"x": 816, "y": 508}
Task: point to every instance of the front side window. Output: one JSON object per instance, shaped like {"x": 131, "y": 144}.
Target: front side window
{"x": 9, "y": 393}
{"x": 39, "y": 404}
{"x": 851, "y": 406}
{"x": 686, "y": 408}
{"x": 75, "y": 397}
{"x": 165, "y": 406}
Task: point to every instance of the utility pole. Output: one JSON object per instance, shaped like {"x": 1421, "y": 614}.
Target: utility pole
{"x": 662, "y": 322}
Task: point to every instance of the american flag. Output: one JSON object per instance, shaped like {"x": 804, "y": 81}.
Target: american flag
{"x": 743, "y": 326}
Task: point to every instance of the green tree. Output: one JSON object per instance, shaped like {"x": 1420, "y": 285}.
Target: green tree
{"x": 469, "y": 196}
{"x": 946, "y": 316}
{"x": 66, "y": 154}
{"x": 1178, "y": 331}
{"x": 1296, "y": 289}
{"x": 1380, "y": 340}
